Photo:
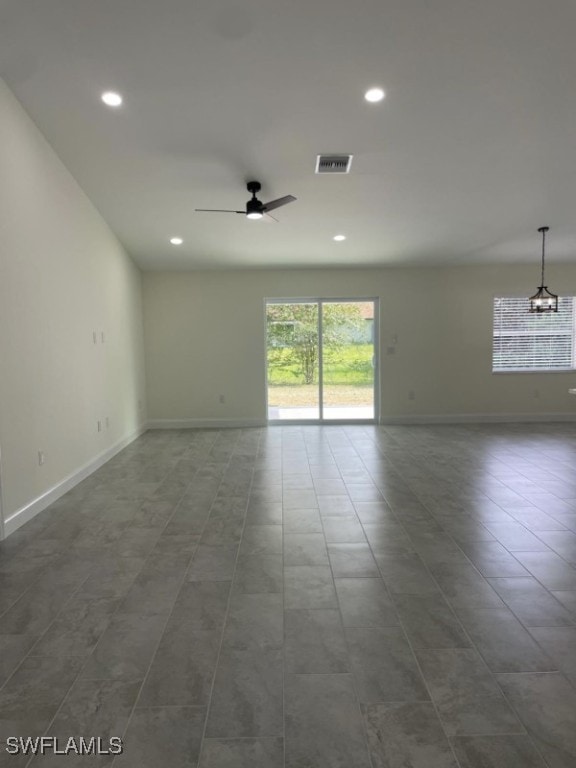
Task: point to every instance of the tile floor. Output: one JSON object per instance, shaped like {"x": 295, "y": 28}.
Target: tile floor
{"x": 303, "y": 597}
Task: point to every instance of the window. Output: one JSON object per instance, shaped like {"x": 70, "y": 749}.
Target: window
{"x": 533, "y": 342}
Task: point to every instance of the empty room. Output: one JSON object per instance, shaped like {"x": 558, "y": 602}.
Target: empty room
{"x": 287, "y": 384}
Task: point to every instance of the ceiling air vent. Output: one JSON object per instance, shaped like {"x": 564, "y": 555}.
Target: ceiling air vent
{"x": 333, "y": 163}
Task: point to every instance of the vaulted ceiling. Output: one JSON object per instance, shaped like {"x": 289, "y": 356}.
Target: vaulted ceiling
{"x": 473, "y": 148}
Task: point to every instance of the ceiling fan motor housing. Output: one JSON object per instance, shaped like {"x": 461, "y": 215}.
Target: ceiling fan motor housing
{"x": 254, "y": 206}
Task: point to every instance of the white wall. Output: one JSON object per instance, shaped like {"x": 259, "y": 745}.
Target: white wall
{"x": 205, "y": 335}
{"x": 63, "y": 276}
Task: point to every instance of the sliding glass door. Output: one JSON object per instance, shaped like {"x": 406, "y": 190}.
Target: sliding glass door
{"x": 348, "y": 360}
{"x": 321, "y": 362}
{"x": 293, "y": 354}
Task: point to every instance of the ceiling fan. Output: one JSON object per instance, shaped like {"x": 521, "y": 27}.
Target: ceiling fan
{"x": 255, "y": 209}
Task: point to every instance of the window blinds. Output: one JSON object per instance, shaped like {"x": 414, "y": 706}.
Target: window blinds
{"x": 532, "y": 342}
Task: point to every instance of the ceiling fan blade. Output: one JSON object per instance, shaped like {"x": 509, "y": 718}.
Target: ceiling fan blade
{"x": 268, "y": 218}
{"x": 218, "y": 210}
{"x": 277, "y": 203}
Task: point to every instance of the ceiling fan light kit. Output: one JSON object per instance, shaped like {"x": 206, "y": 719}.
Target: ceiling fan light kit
{"x": 255, "y": 209}
{"x": 543, "y": 300}
{"x": 254, "y": 206}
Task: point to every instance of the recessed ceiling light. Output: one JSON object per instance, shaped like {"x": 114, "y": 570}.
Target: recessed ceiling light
{"x": 176, "y": 240}
{"x": 339, "y": 238}
{"x": 374, "y": 95}
{"x": 111, "y": 99}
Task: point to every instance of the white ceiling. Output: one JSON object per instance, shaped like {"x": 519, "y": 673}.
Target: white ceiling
{"x": 473, "y": 149}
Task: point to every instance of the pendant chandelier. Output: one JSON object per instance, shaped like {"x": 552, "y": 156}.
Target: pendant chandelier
{"x": 543, "y": 300}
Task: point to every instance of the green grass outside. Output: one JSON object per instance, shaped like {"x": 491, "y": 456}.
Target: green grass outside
{"x": 350, "y": 365}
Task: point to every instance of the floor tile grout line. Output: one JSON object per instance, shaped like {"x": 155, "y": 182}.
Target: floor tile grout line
{"x": 43, "y": 633}
{"x": 529, "y": 735}
{"x": 472, "y": 645}
{"x": 493, "y": 674}
{"x": 484, "y": 578}
{"x": 225, "y": 619}
{"x": 30, "y": 653}
{"x": 77, "y": 677}
{"x": 61, "y": 556}
{"x": 362, "y": 719}
{"x": 153, "y": 656}
{"x": 114, "y": 613}
{"x": 529, "y": 627}
{"x": 418, "y": 666}
{"x": 26, "y": 590}
{"x": 534, "y": 533}
{"x": 183, "y": 581}
{"x": 94, "y": 599}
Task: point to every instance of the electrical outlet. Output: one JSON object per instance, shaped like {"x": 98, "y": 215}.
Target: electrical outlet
{"x": 41, "y": 458}
{"x": 222, "y": 399}
{"x": 390, "y": 350}
{"x": 411, "y": 394}
{"x": 537, "y": 394}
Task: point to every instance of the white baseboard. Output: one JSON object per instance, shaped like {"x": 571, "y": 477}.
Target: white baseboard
{"x": 204, "y": 423}
{"x": 477, "y": 418}
{"x": 30, "y": 510}
{"x": 409, "y": 418}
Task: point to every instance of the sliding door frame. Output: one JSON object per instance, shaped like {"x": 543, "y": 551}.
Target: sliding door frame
{"x": 320, "y": 301}
{"x": 2, "y": 527}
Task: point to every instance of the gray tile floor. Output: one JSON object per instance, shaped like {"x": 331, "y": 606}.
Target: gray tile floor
{"x": 303, "y": 597}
